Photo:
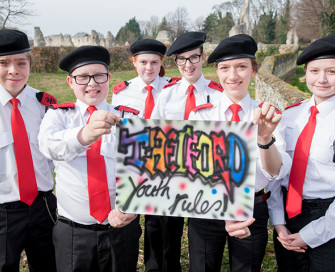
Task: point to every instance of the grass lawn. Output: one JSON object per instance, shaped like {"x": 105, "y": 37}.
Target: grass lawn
{"x": 56, "y": 85}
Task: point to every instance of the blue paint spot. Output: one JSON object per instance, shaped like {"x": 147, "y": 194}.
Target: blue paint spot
{"x": 125, "y": 121}
{"x": 247, "y": 190}
{"x": 214, "y": 191}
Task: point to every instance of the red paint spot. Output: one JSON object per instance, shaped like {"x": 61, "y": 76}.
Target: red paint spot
{"x": 248, "y": 133}
{"x": 182, "y": 186}
{"x": 140, "y": 180}
{"x": 149, "y": 209}
{"x": 239, "y": 212}
{"x": 117, "y": 180}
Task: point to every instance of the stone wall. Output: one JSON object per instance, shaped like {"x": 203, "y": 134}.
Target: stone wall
{"x": 270, "y": 86}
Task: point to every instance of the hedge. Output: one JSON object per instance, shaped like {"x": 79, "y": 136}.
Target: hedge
{"x": 46, "y": 59}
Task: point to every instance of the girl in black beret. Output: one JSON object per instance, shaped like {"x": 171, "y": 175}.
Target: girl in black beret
{"x": 140, "y": 93}
{"x": 304, "y": 223}
{"x": 247, "y": 240}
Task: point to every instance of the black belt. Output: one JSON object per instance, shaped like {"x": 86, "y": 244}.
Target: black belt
{"x": 261, "y": 196}
{"x": 317, "y": 203}
{"x": 19, "y": 204}
{"x": 95, "y": 227}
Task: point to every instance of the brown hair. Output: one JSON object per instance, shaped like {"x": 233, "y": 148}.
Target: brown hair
{"x": 162, "y": 70}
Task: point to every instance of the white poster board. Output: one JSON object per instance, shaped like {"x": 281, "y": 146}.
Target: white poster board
{"x": 202, "y": 169}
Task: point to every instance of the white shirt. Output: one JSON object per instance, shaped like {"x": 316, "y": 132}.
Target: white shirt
{"x": 221, "y": 112}
{"x": 32, "y": 112}
{"x": 171, "y": 103}
{"x": 319, "y": 181}
{"x": 135, "y": 94}
{"x": 58, "y": 141}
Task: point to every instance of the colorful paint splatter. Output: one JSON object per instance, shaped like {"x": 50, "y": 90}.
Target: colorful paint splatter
{"x": 203, "y": 169}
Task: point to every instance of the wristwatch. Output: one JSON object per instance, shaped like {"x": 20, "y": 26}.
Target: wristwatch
{"x": 268, "y": 145}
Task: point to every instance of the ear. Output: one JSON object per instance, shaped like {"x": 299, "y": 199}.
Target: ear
{"x": 134, "y": 62}
{"x": 204, "y": 55}
{"x": 253, "y": 73}
{"x": 69, "y": 80}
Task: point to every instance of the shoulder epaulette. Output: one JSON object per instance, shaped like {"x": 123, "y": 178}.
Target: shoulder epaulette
{"x": 172, "y": 82}
{"x": 127, "y": 109}
{"x": 45, "y": 98}
{"x": 278, "y": 111}
{"x": 295, "y": 104}
{"x": 120, "y": 86}
{"x": 215, "y": 85}
{"x": 64, "y": 106}
{"x": 203, "y": 106}
{"x": 174, "y": 79}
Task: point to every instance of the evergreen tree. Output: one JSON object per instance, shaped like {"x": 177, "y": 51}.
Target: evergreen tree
{"x": 283, "y": 24}
{"x": 210, "y": 26}
{"x": 265, "y": 30}
{"x": 130, "y": 32}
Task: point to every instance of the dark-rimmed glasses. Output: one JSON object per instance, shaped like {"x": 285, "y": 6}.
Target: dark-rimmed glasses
{"x": 85, "y": 79}
{"x": 192, "y": 59}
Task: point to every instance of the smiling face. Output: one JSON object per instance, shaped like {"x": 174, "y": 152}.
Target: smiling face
{"x": 320, "y": 79}
{"x": 92, "y": 93}
{"x": 147, "y": 66}
{"x": 191, "y": 71}
{"x": 14, "y": 72}
{"x": 235, "y": 76}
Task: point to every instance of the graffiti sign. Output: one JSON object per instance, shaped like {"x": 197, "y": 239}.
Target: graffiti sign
{"x": 203, "y": 169}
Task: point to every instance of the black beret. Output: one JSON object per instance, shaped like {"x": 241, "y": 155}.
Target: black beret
{"x": 148, "y": 46}
{"x": 13, "y": 42}
{"x": 323, "y": 48}
{"x": 84, "y": 55}
{"x": 187, "y": 42}
{"x": 235, "y": 47}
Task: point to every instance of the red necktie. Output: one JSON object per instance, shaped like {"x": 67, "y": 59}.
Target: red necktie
{"x": 234, "y": 109}
{"x": 98, "y": 192}
{"x": 149, "y": 103}
{"x": 190, "y": 102}
{"x": 24, "y": 161}
{"x": 299, "y": 164}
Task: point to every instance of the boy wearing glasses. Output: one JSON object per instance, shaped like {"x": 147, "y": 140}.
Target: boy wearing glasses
{"x": 79, "y": 137}
{"x": 181, "y": 96}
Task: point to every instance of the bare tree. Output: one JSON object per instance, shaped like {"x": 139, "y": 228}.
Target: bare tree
{"x": 14, "y": 11}
{"x": 177, "y": 22}
{"x": 233, "y": 6}
{"x": 150, "y": 28}
{"x": 197, "y": 25}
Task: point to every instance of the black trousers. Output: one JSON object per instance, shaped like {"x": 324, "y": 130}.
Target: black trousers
{"x": 207, "y": 240}
{"x": 107, "y": 250}
{"x": 162, "y": 243}
{"x": 321, "y": 258}
{"x": 28, "y": 228}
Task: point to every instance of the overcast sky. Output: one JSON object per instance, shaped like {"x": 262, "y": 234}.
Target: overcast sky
{"x": 72, "y": 16}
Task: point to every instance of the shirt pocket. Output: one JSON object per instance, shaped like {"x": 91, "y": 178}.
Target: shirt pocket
{"x": 108, "y": 146}
{"x": 6, "y": 139}
{"x": 33, "y": 137}
{"x": 7, "y": 165}
{"x": 322, "y": 151}
{"x": 291, "y": 137}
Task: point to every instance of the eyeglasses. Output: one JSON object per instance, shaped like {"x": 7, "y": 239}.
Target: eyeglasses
{"x": 192, "y": 59}
{"x": 85, "y": 79}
